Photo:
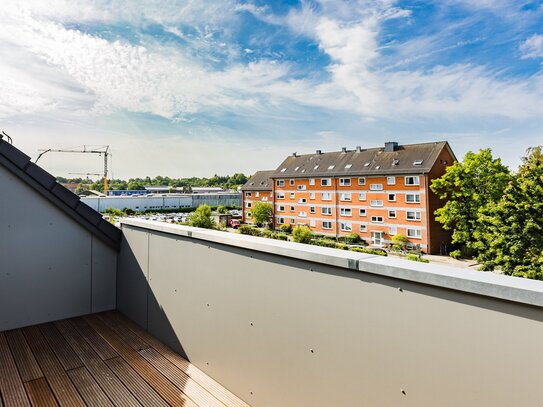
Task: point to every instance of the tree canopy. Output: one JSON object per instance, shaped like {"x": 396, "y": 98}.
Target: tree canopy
{"x": 469, "y": 187}
{"x": 201, "y": 218}
{"x": 261, "y": 212}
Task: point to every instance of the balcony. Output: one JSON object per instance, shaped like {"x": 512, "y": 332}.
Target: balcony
{"x": 160, "y": 314}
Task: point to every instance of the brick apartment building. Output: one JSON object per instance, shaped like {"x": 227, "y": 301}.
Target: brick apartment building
{"x": 376, "y": 192}
{"x": 258, "y": 188}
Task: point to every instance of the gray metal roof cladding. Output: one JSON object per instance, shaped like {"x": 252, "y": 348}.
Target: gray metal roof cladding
{"x": 260, "y": 181}
{"x": 405, "y": 159}
{"x": 19, "y": 164}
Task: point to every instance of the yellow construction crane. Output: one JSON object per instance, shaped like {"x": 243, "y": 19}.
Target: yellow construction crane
{"x": 84, "y": 149}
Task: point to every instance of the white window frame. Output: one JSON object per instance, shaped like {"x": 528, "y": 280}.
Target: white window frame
{"x": 376, "y": 203}
{"x": 326, "y": 196}
{"x": 291, "y": 182}
{"x": 345, "y": 211}
{"x": 326, "y": 182}
{"x": 280, "y": 195}
{"x": 281, "y": 208}
{"x": 415, "y": 218}
{"x": 312, "y": 223}
{"x": 280, "y": 220}
{"x": 414, "y": 233}
{"x": 312, "y": 209}
{"x": 416, "y": 198}
{"x": 392, "y": 213}
{"x": 301, "y": 188}
{"x": 279, "y": 182}
{"x": 363, "y": 228}
{"x": 393, "y": 197}
{"x": 326, "y": 210}
{"x": 346, "y": 226}
{"x": 393, "y": 230}
{"x": 377, "y": 219}
{"x": 292, "y": 195}
{"x": 362, "y": 196}
{"x": 257, "y": 194}
{"x": 391, "y": 180}
{"x": 311, "y": 181}
{"x": 376, "y": 187}
{"x": 327, "y": 224}
{"x": 345, "y": 196}
{"x": 362, "y": 212}
{"x": 362, "y": 181}
{"x": 248, "y": 194}
{"x": 248, "y": 204}
{"x": 412, "y": 180}
{"x": 311, "y": 195}
{"x": 344, "y": 182}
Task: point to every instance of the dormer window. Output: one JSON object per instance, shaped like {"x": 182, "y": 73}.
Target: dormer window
{"x": 417, "y": 162}
{"x": 348, "y": 166}
{"x": 283, "y": 169}
{"x": 331, "y": 167}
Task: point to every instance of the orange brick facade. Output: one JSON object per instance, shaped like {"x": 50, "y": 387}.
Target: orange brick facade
{"x": 250, "y": 197}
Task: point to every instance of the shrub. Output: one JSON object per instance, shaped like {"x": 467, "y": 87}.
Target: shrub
{"x": 324, "y": 242}
{"x": 286, "y": 228}
{"x": 249, "y": 230}
{"x": 128, "y": 211}
{"x": 301, "y": 234}
{"x": 395, "y": 247}
{"x": 280, "y": 236}
{"x": 201, "y": 217}
{"x": 368, "y": 251}
{"x": 456, "y": 254}
{"x": 221, "y": 209}
{"x": 414, "y": 257}
{"x": 401, "y": 241}
{"x": 352, "y": 238}
{"x": 114, "y": 212}
{"x": 262, "y": 212}
{"x": 341, "y": 246}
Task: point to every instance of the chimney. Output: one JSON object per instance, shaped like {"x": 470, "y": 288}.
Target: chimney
{"x": 319, "y": 152}
{"x": 294, "y": 154}
{"x": 343, "y": 149}
{"x": 391, "y": 146}
{"x": 358, "y": 149}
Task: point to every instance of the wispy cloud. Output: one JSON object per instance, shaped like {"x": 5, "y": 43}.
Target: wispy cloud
{"x": 532, "y": 47}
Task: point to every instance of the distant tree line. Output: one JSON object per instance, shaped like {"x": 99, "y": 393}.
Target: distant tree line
{"x": 495, "y": 215}
{"x": 224, "y": 181}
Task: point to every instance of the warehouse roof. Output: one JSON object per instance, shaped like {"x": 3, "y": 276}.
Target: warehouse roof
{"x": 19, "y": 164}
{"x": 390, "y": 159}
{"x": 260, "y": 181}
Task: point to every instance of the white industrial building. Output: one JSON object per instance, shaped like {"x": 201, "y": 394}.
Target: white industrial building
{"x": 162, "y": 202}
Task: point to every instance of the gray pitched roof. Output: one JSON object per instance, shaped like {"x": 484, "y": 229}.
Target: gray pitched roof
{"x": 18, "y": 163}
{"x": 260, "y": 181}
{"x": 405, "y": 159}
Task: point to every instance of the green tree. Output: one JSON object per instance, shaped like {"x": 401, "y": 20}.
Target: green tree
{"x": 261, "y": 212}
{"x": 468, "y": 187}
{"x": 302, "y": 234}
{"x": 201, "y": 218}
{"x": 510, "y": 234}
{"x": 221, "y": 209}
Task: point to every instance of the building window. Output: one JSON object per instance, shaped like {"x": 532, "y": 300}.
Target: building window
{"x": 264, "y": 199}
{"x": 248, "y": 194}
{"x": 326, "y": 210}
{"x": 363, "y": 228}
{"x": 392, "y": 230}
{"x": 311, "y": 181}
{"x": 414, "y": 233}
{"x": 280, "y": 195}
{"x": 377, "y": 238}
{"x": 345, "y": 182}
{"x": 292, "y": 208}
{"x": 412, "y": 198}
{"x": 292, "y": 221}
{"x": 392, "y": 214}
{"x": 326, "y": 182}
{"x": 391, "y": 180}
{"x": 281, "y": 208}
{"x": 301, "y": 187}
{"x": 302, "y": 214}
{"x": 312, "y": 223}
{"x": 376, "y": 187}
{"x": 362, "y": 196}
{"x": 345, "y": 211}
{"x": 412, "y": 180}
{"x": 291, "y": 182}
{"x": 302, "y": 200}
{"x": 311, "y": 195}
{"x": 362, "y": 181}
{"x": 280, "y": 220}
{"x": 344, "y": 196}
{"x": 247, "y": 204}
{"x": 292, "y": 195}
{"x": 377, "y": 219}
{"x": 280, "y": 183}
{"x": 326, "y": 224}
{"x": 257, "y": 194}
{"x": 391, "y": 197}
{"x": 412, "y": 215}
{"x": 346, "y": 227}
{"x": 362, "y": 212}
{"x": 326, "y": 196}
{"x": 376, "y": 202}
{"x": 312, "y": 209}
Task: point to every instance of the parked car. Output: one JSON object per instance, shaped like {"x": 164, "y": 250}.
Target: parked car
{"x": 234, "y": 223}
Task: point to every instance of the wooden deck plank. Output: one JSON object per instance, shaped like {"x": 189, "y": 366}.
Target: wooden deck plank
{"x": 11, "y": 386}
{"x": 215, "y": 388}
{"x": 40, "y": 393}
{"x": 100, "y": 346}
{"x": 62, "y": 349}
{"x": 24, "y": 358}
{"x": 191, "y": 388}
{"x": 61, "y": 385}
{"x": 124, "y": 333}
{"x": 88, "y": 388}
{"x": 139, "y": 387}
{"x": 163, "y": 386}
{"x": 113, "y": 387}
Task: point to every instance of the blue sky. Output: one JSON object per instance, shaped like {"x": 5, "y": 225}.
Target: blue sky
{"x": 203, "y": 87}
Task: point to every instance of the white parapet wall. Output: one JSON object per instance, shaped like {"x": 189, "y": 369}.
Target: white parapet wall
{"x": 286, "y": 324}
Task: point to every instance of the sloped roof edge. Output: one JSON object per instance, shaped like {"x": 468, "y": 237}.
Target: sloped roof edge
{"x": 19, "y": 164}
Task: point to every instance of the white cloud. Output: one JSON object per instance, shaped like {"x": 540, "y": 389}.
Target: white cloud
{"x": 532, "y": 47}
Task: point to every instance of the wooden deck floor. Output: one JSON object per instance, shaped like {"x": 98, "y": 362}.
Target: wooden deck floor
{"x": 99, "y": 360}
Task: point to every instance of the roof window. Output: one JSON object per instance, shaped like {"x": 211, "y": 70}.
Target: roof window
{"x": 348, "y": 166}
{"x": 417, "y": 162}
